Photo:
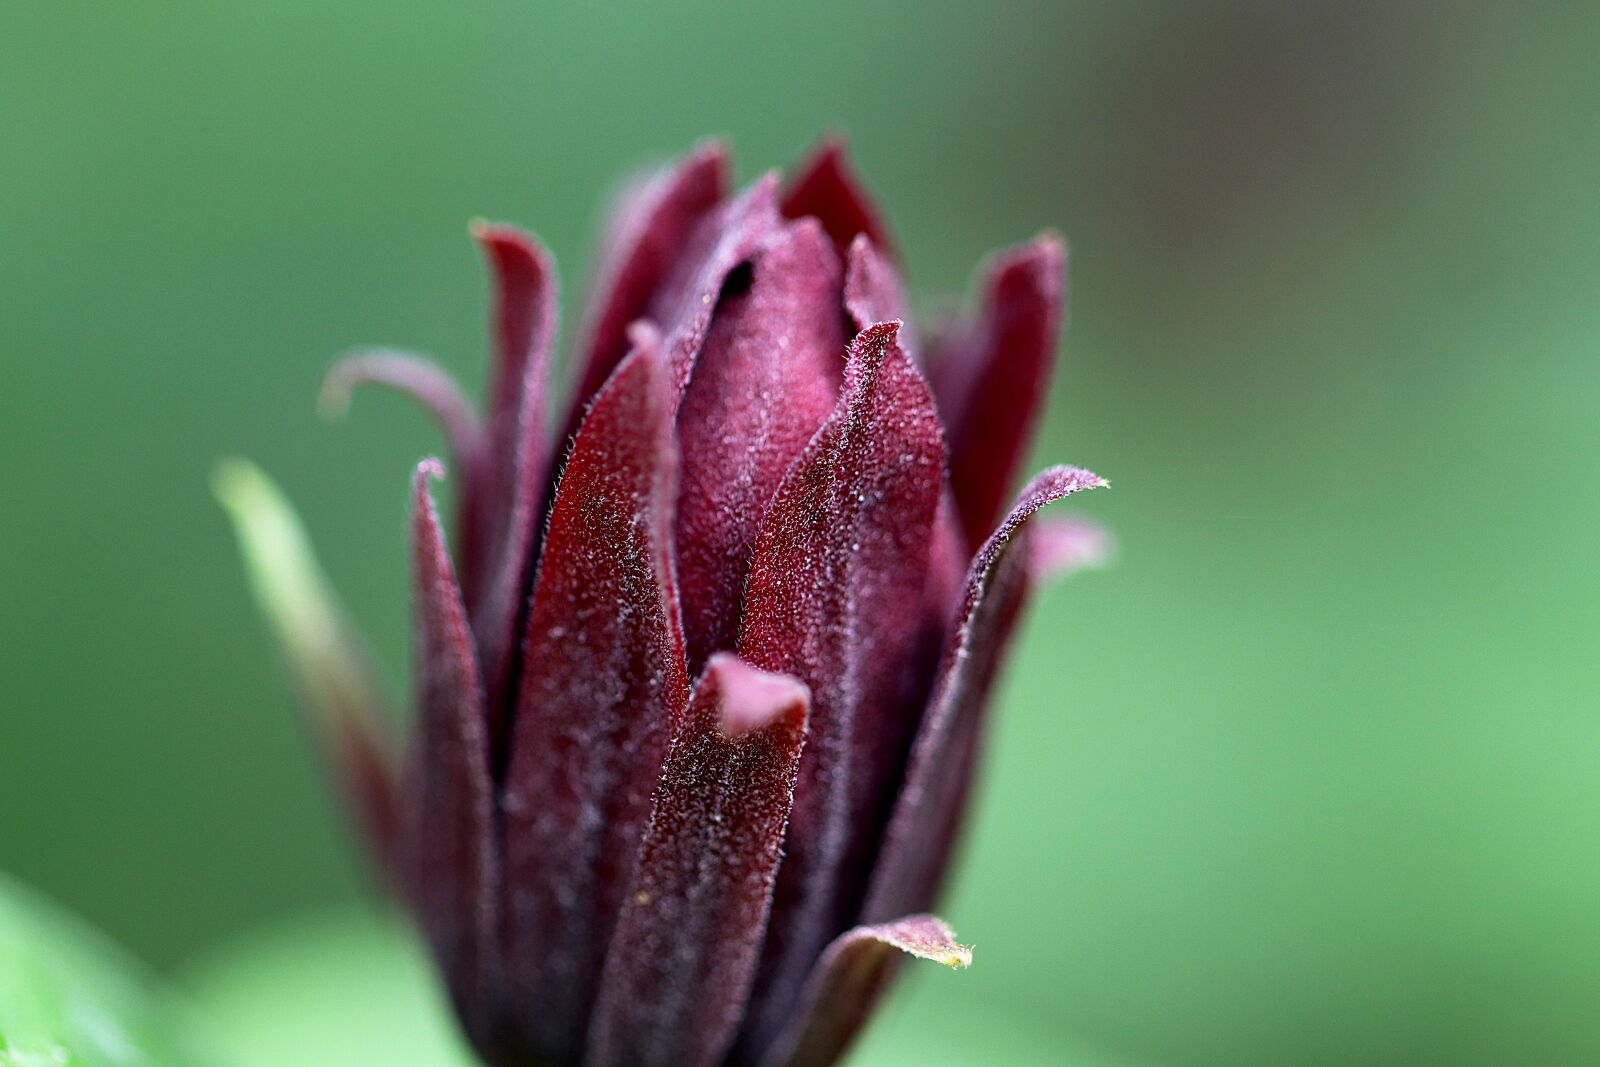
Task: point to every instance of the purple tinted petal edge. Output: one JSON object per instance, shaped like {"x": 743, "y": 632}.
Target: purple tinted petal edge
{"x": 848, "y": 981}
{"x": 926, "y": 814}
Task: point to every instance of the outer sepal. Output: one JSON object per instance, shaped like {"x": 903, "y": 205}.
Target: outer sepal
{"x": 848, "y": 981}
{"x": 922, "y": 830}
{"x": 324, "y": 657}
{"x": 450, "y": 839}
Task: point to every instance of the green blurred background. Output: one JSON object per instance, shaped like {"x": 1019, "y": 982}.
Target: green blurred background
{"x": 1311, "y": 776}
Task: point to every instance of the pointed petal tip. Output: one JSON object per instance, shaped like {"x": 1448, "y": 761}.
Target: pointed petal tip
{"x": 713, "y": 151}
{"x": 283, "y": 572}
{"x": 1069, "y": 478}
{"x": 485, "y": 229}
{"x": 926, "y": 937}
{"x": 829, "y": 154}
{"x": 826, "y": 185}
{"x": 753, "y": 699}
{"x": 1038, "y": 265}
{"x": 879, "y": 333}
{"x": 766, "y": 187}
{"x": 507, "y": 239}
{"x": 1046, "y": 248}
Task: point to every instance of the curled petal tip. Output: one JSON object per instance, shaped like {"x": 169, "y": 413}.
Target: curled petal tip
{"x": 339, "y": 384}
{"x": 753, "y": 699}
{"x": 358, "y": 367}
{"x": 1067, "y": 477}
{"x": 849, "y": 979}
{"x": 431, "y": 469}
{"x": 405, "y": 372}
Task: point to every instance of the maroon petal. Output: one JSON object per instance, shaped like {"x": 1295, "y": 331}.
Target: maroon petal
{"x": 994, "y": 380}
{"x": 602, "y": 685}
{"x": 947, "y": 565}
{"x": 766, "y": 379}
{"x": 524, "y": 330}
{"x": 826, "y": 188}
{"x": 450, "y": 798}
{"x": 848, "y": 981}
{"x": 872, "y": 290}
{"x": 653, "y": 225}
{"x": 519, "y": 452}
{"x": 835, "y": 598}
{"x": 679, "y": 969}
{"x": 327, "y": 661}
{"x": 927, "y": 813}
{"x": 726, "y": 238}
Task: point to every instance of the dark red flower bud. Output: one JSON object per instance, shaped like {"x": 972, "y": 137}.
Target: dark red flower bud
{"x": 700, "y": 684}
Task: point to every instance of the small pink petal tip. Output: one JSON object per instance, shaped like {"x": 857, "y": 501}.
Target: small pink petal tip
{"x": 753, "y": 699}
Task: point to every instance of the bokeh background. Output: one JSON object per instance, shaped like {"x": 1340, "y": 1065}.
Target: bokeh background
{"x": 1311, "y": 776}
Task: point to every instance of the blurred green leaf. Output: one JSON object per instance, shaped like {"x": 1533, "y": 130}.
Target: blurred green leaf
{"x": 68, "y": 998}
{"x": 328, "y": 990}
{"x": 354, "y": 987}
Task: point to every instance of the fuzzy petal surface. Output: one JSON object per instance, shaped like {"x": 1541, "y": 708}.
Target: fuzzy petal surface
{"x": 602, "y": 688}
{"x": 872, "y": 289}
{"x": 450, "y": 829}
{"x": 680, "y": 964}
{"x": 518, "y": 461}
{"x": 766, "y": 378}
{"x": 725, "y": 239}
{"x": 653, "y": 225}
{"x": 834, "y": 598}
